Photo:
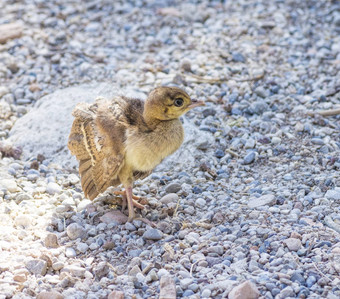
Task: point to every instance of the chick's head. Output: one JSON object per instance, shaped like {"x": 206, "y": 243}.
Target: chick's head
{"x": 166, "y": 103}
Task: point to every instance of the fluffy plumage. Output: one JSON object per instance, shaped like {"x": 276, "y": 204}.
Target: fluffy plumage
{"x": 120, "y": 140}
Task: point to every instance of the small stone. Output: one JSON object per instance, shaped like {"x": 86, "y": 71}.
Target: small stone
{"x": 51, "y": 241}
{"x": 293, "y": 244}
{"x": 75, "y": 231}
{"x": 75, "y": 270}
{"x": 219, "y": 153}
{"x": 82, "y": 247}
{"x": 216, "y": 249}
{"x": 246, "y": 290}
{"x": 10, "y": 185}
{"x": 24, "y": 220}
{"x": 115, "y": 216}
{"x": 333, "y": 194}
{"x": 53, "y": 188}
{"x": 3, "y": 90}
{"x": 20, "y": 275}
{"x": 287, "y": 292}
{"x": 173, "y": 188}
{"x": 10, "y": 31}
{"x": 249, "y": 158}
{"x": 74, "y": 179}
{"x": 261, "y": 92}
{"x": 238, "y": 57}
{"x": 209, "y": 112}
{"x": 162, "y": 272}
{"x": 37, "y": 267}
{"x": 50, "y": 295}
{"x": 167, "y": 288}
{"x": 200, "y": 202}
{"x": 264, "y": 200}
{"x": 57, "y": 266}
{"x": 276, "y": 140}
{"x": 317, "y": 141}
{"x": 205, "y": 293}
{"x": 203, "y": 145}
{"x": 116, "y": 295}
{"x": 185, "y": 283}
{"x": 186, "y": 65}
{"x": 83, "y": 204}
{"x": 70, "y": 252}
{"x": 169, "y": 198}
{"x": 135, "y": 269}
{"x": 101, "y": 270}
{"x": 153, "y": 234}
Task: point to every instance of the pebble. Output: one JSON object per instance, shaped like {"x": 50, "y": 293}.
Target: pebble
{"x": 37, "y": 267}
{"x": 167, "y": 288}
{"x": 53, "y": 188}
{"x": 206, "y": 293}
{"x": 82, "y": 247}
{"x": 246, "y": 290}
{"x": 75, "y": 231}
{"x": 169, "y": 198}
{"x": 115, "y": 217}
{"x": 333, "y": 194}
{"x": 51, "y": 241}
{"x": 70, "y": 252}
{"x": 200, "y": 203}
{"x": 10, "y": 185}
{"x": 264, "y": 200}
{"x": 50, "y": 295}
{"x": 293, "y": 244}
{"x": 249, "y": 158}
{"x": 116, "y": 295}
{"x": 173, "y": 188}
{"x": 153, "y": 234}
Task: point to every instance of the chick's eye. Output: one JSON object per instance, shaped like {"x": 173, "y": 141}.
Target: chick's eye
{"x": 178, "y": 102}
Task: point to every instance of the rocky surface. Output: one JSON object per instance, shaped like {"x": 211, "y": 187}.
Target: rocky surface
{"x": 250, "y": 204}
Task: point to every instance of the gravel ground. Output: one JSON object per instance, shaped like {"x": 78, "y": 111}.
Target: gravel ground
{"x": 258, "y": 213}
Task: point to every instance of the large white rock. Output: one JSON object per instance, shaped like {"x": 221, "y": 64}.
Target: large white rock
{"x": 46, "y": 127}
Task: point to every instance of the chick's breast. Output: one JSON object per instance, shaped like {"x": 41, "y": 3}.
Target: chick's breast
{"x": 145, "y": 150}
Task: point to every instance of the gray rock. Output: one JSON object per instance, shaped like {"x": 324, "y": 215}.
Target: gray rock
{"x": 82, "y": 247}
{"x": 70, "y": 252}
{"x": 101, "y": 270}
{"x": 37, "y": 267}
{"x": 50, "y": 295}
{"x": 249, "y": 158}
{"x": 293, "y": 244}
{"x": 185, "y": 283}
{"x": 200, "y": 202}
{"x": 264, "y": 200}
{"x": 169, "y": 198}
{"x": 51, "y": 241}
{"x": 245, "y": 290}
{"x": 53, "y": 188}
{"x": 153, "y": 234}
{"x": 10, "y": 185}
{"x": 206, "y": 293}
{"x": 333, "y": 194}
{"x": 261, "y": 92}
{"x": 75, "y": 231}
{"x": 75, "y": 270}
{"x": 167, "y": 288}
{"x": 173, "y": 188}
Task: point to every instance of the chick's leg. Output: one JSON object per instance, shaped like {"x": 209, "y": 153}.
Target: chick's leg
{"x": 130, "y": 203}
{"x": 134, "y": 199}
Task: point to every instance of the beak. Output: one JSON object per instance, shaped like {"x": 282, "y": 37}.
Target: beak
{"x": 195, "y": 103}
